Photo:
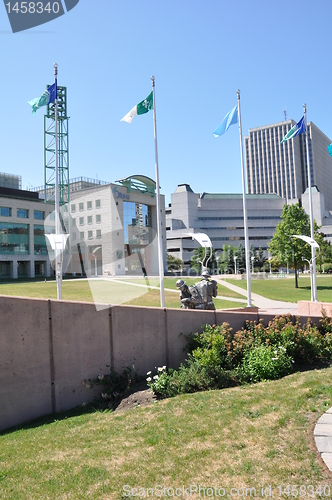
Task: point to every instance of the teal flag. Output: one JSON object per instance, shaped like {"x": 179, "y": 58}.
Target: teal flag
{"x": 48, "y": 96}
{"x": 330, "y": 149}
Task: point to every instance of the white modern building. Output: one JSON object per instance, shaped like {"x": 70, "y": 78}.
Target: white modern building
{"x": 220, "y": 216}
{"x": 113, "y": 226}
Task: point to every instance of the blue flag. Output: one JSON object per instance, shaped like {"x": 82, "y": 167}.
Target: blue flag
{"x": 231, "y": 118}
{"x": 299, "y": 128}
{"x": 330, "y": 149}
{"x": 46, "y": 98}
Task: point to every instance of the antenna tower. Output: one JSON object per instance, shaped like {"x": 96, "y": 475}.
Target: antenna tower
{"x": 63, "y": 149}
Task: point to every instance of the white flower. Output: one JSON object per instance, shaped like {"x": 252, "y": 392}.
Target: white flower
{"x": 273, "y": 359}
{"x": 101, "y": 377}
{"x": 160, "y": 369}
{"x": 149, "y": 379}
{"x": 164, "y": 367}
{"x": 104, "y": 395}
{"x": 149, "y": 373}
{"x": 156, "y": 377}
{"x": 88, "y": 386}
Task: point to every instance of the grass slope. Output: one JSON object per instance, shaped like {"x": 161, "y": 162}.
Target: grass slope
{"x": 245, "y": 437}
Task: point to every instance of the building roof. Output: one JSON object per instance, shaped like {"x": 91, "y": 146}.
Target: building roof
{"x": 183, "y": 188}
{"x": 235, "y": 196}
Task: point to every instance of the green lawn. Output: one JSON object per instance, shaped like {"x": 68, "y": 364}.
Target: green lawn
{"x": 284, "y": 288}
{"x": 109, "y": 292}
{"x": 245, "y": 437}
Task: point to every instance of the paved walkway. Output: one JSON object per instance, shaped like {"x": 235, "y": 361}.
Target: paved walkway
{"x": 265, "y": 305}
{"x": 323, "y": 437}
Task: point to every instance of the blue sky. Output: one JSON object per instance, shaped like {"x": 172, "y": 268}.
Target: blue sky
{"x": 200, "y": 52}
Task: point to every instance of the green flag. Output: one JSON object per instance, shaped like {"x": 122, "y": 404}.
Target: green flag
{"x": 140, "y": 108}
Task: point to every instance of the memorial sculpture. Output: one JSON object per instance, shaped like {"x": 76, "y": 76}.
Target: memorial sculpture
{"x": 200, "y": 295}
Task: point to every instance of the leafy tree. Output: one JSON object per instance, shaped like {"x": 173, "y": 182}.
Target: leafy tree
{"x": 283, "y": 247}
{"x": 198, "y": 254}
{"x": 174, "y": 264}
{"x": 241, "y": 258}
{"x": 260, "y": 258}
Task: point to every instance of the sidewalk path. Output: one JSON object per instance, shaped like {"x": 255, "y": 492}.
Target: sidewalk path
{"x": 264, "y": 304}
{"x": 323, "y": 437}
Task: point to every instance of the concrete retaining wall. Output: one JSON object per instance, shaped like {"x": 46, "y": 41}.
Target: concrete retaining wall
{"x": 48, "y": 347}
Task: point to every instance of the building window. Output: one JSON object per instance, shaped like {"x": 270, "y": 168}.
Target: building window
{"x": 97, "y": 203}
{"x": 38, "y": 214}
{"x": 90, "y": 219}
{"x": 98, "y": 218}
{"x": 136, "y": 220}
{"x": 81, "y": 235}
{"x": 73, "y": 207}
{"x": 90, "y": 234}
{"x": 23, "y": 213}
{"x": 5, "y": 269}
{"x": 81, "y": 207}
{"x": 89, "y": 205}
{"x": 98, "y": 233}
{"x": 5, "y": 211}
{"x": 39, "y": 240}
{"x": 14, "y": 238}
{"x": 81, "y": 221}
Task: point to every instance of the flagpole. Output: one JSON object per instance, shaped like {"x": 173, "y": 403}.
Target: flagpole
{"x": 58, "y": 267}
{"x": 160, "y": 241}
{"x": 312, "y": 233}
{"x": 246, "y": 238}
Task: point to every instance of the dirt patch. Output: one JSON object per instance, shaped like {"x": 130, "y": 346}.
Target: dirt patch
{"x": 141, "y": 397}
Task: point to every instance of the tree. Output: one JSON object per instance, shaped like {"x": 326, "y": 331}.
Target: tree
{"x": 241, "y": 258}
{"x": 260, "y": 258}
{"x": 283, "y": 247}
{"x": 198, "y": 254}
{"x": 174, "y": 264}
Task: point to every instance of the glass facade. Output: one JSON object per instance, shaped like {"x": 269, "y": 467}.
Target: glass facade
{"x": 14, "y": 238}
{"x": 136, "y": 223}
{"x": 4, "y": 269}
{"x": 39, "y": 240}
{"x": 22, "y": 269}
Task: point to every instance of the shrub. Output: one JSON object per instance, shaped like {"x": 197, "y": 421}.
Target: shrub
{"x": 265, "y": 363}
{"x": 191, "y": 376}
{"x": 213, "y": 347}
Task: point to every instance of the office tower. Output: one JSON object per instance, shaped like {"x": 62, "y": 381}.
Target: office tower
{"x": 278, "y": 168}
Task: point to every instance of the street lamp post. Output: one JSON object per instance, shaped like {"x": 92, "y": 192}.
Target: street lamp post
{"x": 218, "y": 259}
{"x": 235, "y": 258}
{"x": 252, "y": 263}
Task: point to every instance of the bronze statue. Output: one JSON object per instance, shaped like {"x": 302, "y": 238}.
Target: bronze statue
{"x": 200, "y": 295}
{"x": 208, "y": 289}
